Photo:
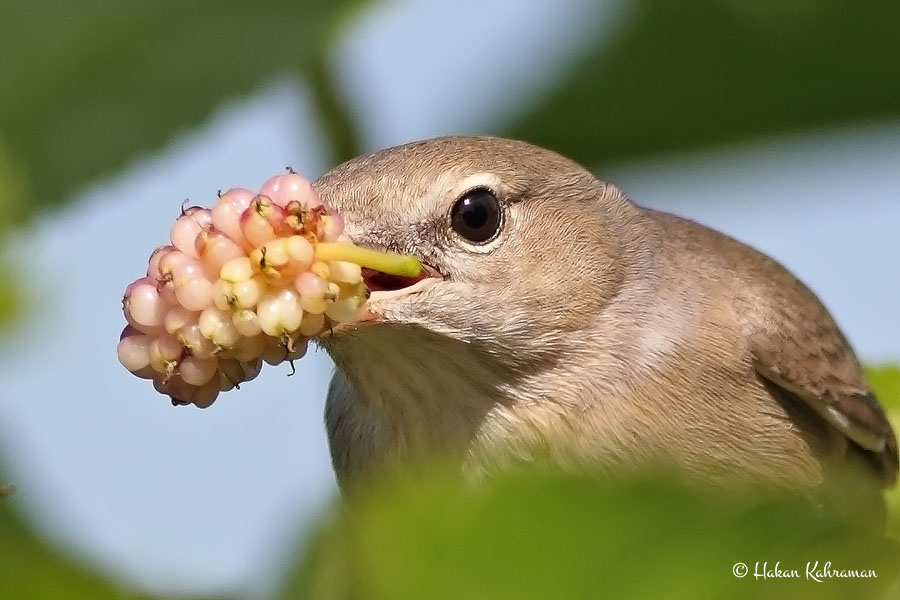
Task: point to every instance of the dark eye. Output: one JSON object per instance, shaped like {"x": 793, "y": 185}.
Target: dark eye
{"x": 476, "y": 216}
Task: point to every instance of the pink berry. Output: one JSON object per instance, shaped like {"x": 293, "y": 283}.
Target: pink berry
{"x": 236, "y": 270}
{"x": 181, "y": 390}
{"x": 249, "y": 348}
{"x": 313, "y": 292}
{"x": 274, "y": 355}
{"x": 297, "y": 349}
{"x": 251, "y": 368}
{"x": 188, "y": 270}
{"x": 145, "y": 373}
{"x": 279, "y": 312}
{"x": 214, "y": 249}
{"x": 223, "y": 295}
{"x": 290, "y": 186}
{"x": 134, "y": 350}
{"x": 312, "y": 324}
{"x": 206, "y": 394}
{"x": 194, "y": 341}
{"x": 161, "y": 382}
{"x": 263, "y": 221}
{"x": 170, "y": 260}
{"x": 281, "y": 259}
{"x": 344, "y": 272}
{"x": 177, "y": 318}
{"x": 194, "y": 293}
{"x": 197, "y": 371}
{"x": 344, "y": 310}
{"x": 153, "y": 263}
{"x": 165, "y": 351}
{"x": 284, "y": 348}
{"x": 217, "y": 327}
{"x": 247, "y": 293}
{"x": 233, "y": 372}
{"x": 240, "y": 285}
{"x": 246, "y": 322}
{"x": 300, "y": 252}
{"x": 143, "y": 306}
{"x": 331, "y": 226}
{"x": 243, "y": 294}
{"x": 187, "y": 226}
{"x": 226, "y": 214}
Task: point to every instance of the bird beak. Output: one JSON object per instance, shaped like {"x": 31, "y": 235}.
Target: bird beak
{"x": 386, "y": 292}
{"x": 387, "y": 288}
{"x": 386, "y": 284}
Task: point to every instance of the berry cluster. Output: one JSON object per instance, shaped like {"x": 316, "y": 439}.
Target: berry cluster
{"x": 246, "y": 282}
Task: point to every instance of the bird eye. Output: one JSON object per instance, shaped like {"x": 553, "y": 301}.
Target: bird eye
{"x": 476, "y": 216}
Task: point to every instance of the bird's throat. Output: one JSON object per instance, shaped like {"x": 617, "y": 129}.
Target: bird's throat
{"x": 413, "y": 391}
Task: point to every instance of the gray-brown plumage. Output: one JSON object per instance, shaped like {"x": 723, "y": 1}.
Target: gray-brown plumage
{"x": 589, "y": 332}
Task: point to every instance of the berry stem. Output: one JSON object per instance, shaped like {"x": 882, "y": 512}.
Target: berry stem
{"x": 402, "y": 265}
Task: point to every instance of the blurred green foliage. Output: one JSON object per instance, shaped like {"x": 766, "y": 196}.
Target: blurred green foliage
{"x": 88, "y": 86}
{"x": 524, "y": 537}
{"x": 651, "y": 536}
{"x": 682, "y": 75}
{"x": 885, "y": 380}
{"x": 12, "y": 192}
{"x": 29, "y": 569}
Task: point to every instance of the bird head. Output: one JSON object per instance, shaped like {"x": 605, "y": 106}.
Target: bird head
{"x": 520, "y": 248}
{"x": 516, "y": 242}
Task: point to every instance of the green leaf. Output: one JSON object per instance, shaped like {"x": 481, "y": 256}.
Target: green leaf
{"x": 539, "y": 537}
{"x": 682, "y": 75}
{"x": 885, "y": 381}
{"x": 12, "y": 187}
{"x": 10, "y": 298}
{"x": 89, "y": 85}
{"x": 30, "y": 570}
{"x": 633, "y": 537}
{"x": 12, "y": 192}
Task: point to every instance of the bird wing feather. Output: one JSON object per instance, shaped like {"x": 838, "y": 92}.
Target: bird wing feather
{"x": 816, "y": 366}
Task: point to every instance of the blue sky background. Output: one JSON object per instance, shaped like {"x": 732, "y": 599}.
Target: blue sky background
{"x": 189, "y": 501}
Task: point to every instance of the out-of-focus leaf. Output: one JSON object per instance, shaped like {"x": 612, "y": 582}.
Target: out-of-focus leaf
{"x": 12, "y": 188}
{"x": 686, "y": 74}
{"x": 10, "y": 299}
{"x": 12, "y": 192}
{"x": 885, "y": 381}
{"x": 29, "y": 570}
{"x": 536, "y": 537}
{"x": 893, "y": 495}
{"x": 88, "y": 85}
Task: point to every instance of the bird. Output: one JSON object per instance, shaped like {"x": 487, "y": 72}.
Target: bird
{"x": 557, "y": 322}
